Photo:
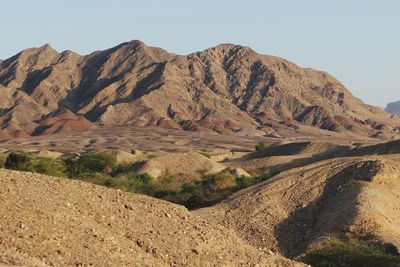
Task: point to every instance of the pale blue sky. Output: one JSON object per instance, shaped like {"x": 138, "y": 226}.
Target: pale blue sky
{"x": 356, "y": 41}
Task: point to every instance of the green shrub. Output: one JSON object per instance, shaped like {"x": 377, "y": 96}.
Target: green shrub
{"x": 121, "y": 168}
{"x": 245, "y": 181}
{"x": 142, "y": 177}
{"x": 350, "y": 253}
{"x": 89, "y": 164}
{"x": 19, "y": 161}
{"x": 220, "y": 181}
{"x": 260, "y": 146}
{"x": 49, "y": 166}
{"x": 2, "y": 160}
{"x": 23, "y": 161}
{"x": 211, "y": 189}
{"x": 131, "y": 182}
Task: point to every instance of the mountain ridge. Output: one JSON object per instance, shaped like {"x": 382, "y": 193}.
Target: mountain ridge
{"x": 224, "y": 89}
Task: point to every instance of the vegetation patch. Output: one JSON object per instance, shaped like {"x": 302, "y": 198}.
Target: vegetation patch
{"x": 351, "y": 253}
{"x": 23, "y": 161}
{"x": 210, "y": 189}
{"x": 103, "y": 169}
{"x": 260, "y": 146}
{"x": 88, "y": 165}
{"x": 2, "y": 160}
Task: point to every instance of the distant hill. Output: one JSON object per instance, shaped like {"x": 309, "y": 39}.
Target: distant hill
{"x": 393, "y": 108}
{"x": 224, "y": 89}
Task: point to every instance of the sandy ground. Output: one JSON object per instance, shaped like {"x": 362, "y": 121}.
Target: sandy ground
{"x": 48, "y": 221}
{"x": 161, "y": 140}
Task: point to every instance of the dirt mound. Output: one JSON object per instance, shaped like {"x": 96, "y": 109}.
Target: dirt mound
{"x": 294, "y": 210}
{"x": 224, "y": 89}
{"x": 47, "y": 221}
{"x": 62, "y": 121}
{"x": 190, "y": 163}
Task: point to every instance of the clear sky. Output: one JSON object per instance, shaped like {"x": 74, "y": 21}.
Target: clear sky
{"x": 356, "y": 41}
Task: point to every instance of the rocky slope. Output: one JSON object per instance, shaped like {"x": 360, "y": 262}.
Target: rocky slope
{"x": 291, "y": 213}
{"x": 393, "y": 108}
{"x": 48, "y": 221}
{"x": 227, "y": 88}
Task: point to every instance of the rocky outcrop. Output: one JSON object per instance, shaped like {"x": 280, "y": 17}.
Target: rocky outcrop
{"x": 393, "y": 108}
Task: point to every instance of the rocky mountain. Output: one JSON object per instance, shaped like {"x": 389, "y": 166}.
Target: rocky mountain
{"x": 393, "y": 108}
{"x": 227, "y": 88}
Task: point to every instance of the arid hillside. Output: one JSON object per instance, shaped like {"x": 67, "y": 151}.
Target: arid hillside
{"x": 265, "y": 208}
{"x": 48, "y": 221}
{"x": 224, "y": 89}
{"x": 291, "y": 213}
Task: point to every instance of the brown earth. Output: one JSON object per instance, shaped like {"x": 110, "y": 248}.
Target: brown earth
{"x": 48, "y": 221}
{"x": 224, "y": 89}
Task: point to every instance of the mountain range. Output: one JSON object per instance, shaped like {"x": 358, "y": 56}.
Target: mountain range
{"x": 224, "y": 89}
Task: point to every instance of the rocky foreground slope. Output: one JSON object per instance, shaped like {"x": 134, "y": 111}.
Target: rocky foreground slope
{"x": 356, "y": 197}
{"x": 62, "y": 222}
{"x": 224, "y": 89}
{"x": 48, "y": 221}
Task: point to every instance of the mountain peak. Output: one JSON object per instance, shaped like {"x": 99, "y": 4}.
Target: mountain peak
{"x": 227, "y": 47}
{"x": 46, "y": 47}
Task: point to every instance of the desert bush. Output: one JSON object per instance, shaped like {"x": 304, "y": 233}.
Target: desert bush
{"x": 19, "y": 161}
{"x": 209, "y": 190}
{"x": 350, "y": 253}
{"x": 89, "y": 164}
{"x": 28, "y": 162}
{"x": 121, "y": 168}
{"x": 260, "y": 146}
{"x": 49, "y": 166}
{"x": 246, "y": 181}
{"x": 131, "y": 182}
{"x": 2, "y": 160}
{"x": 220, "y": 181}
